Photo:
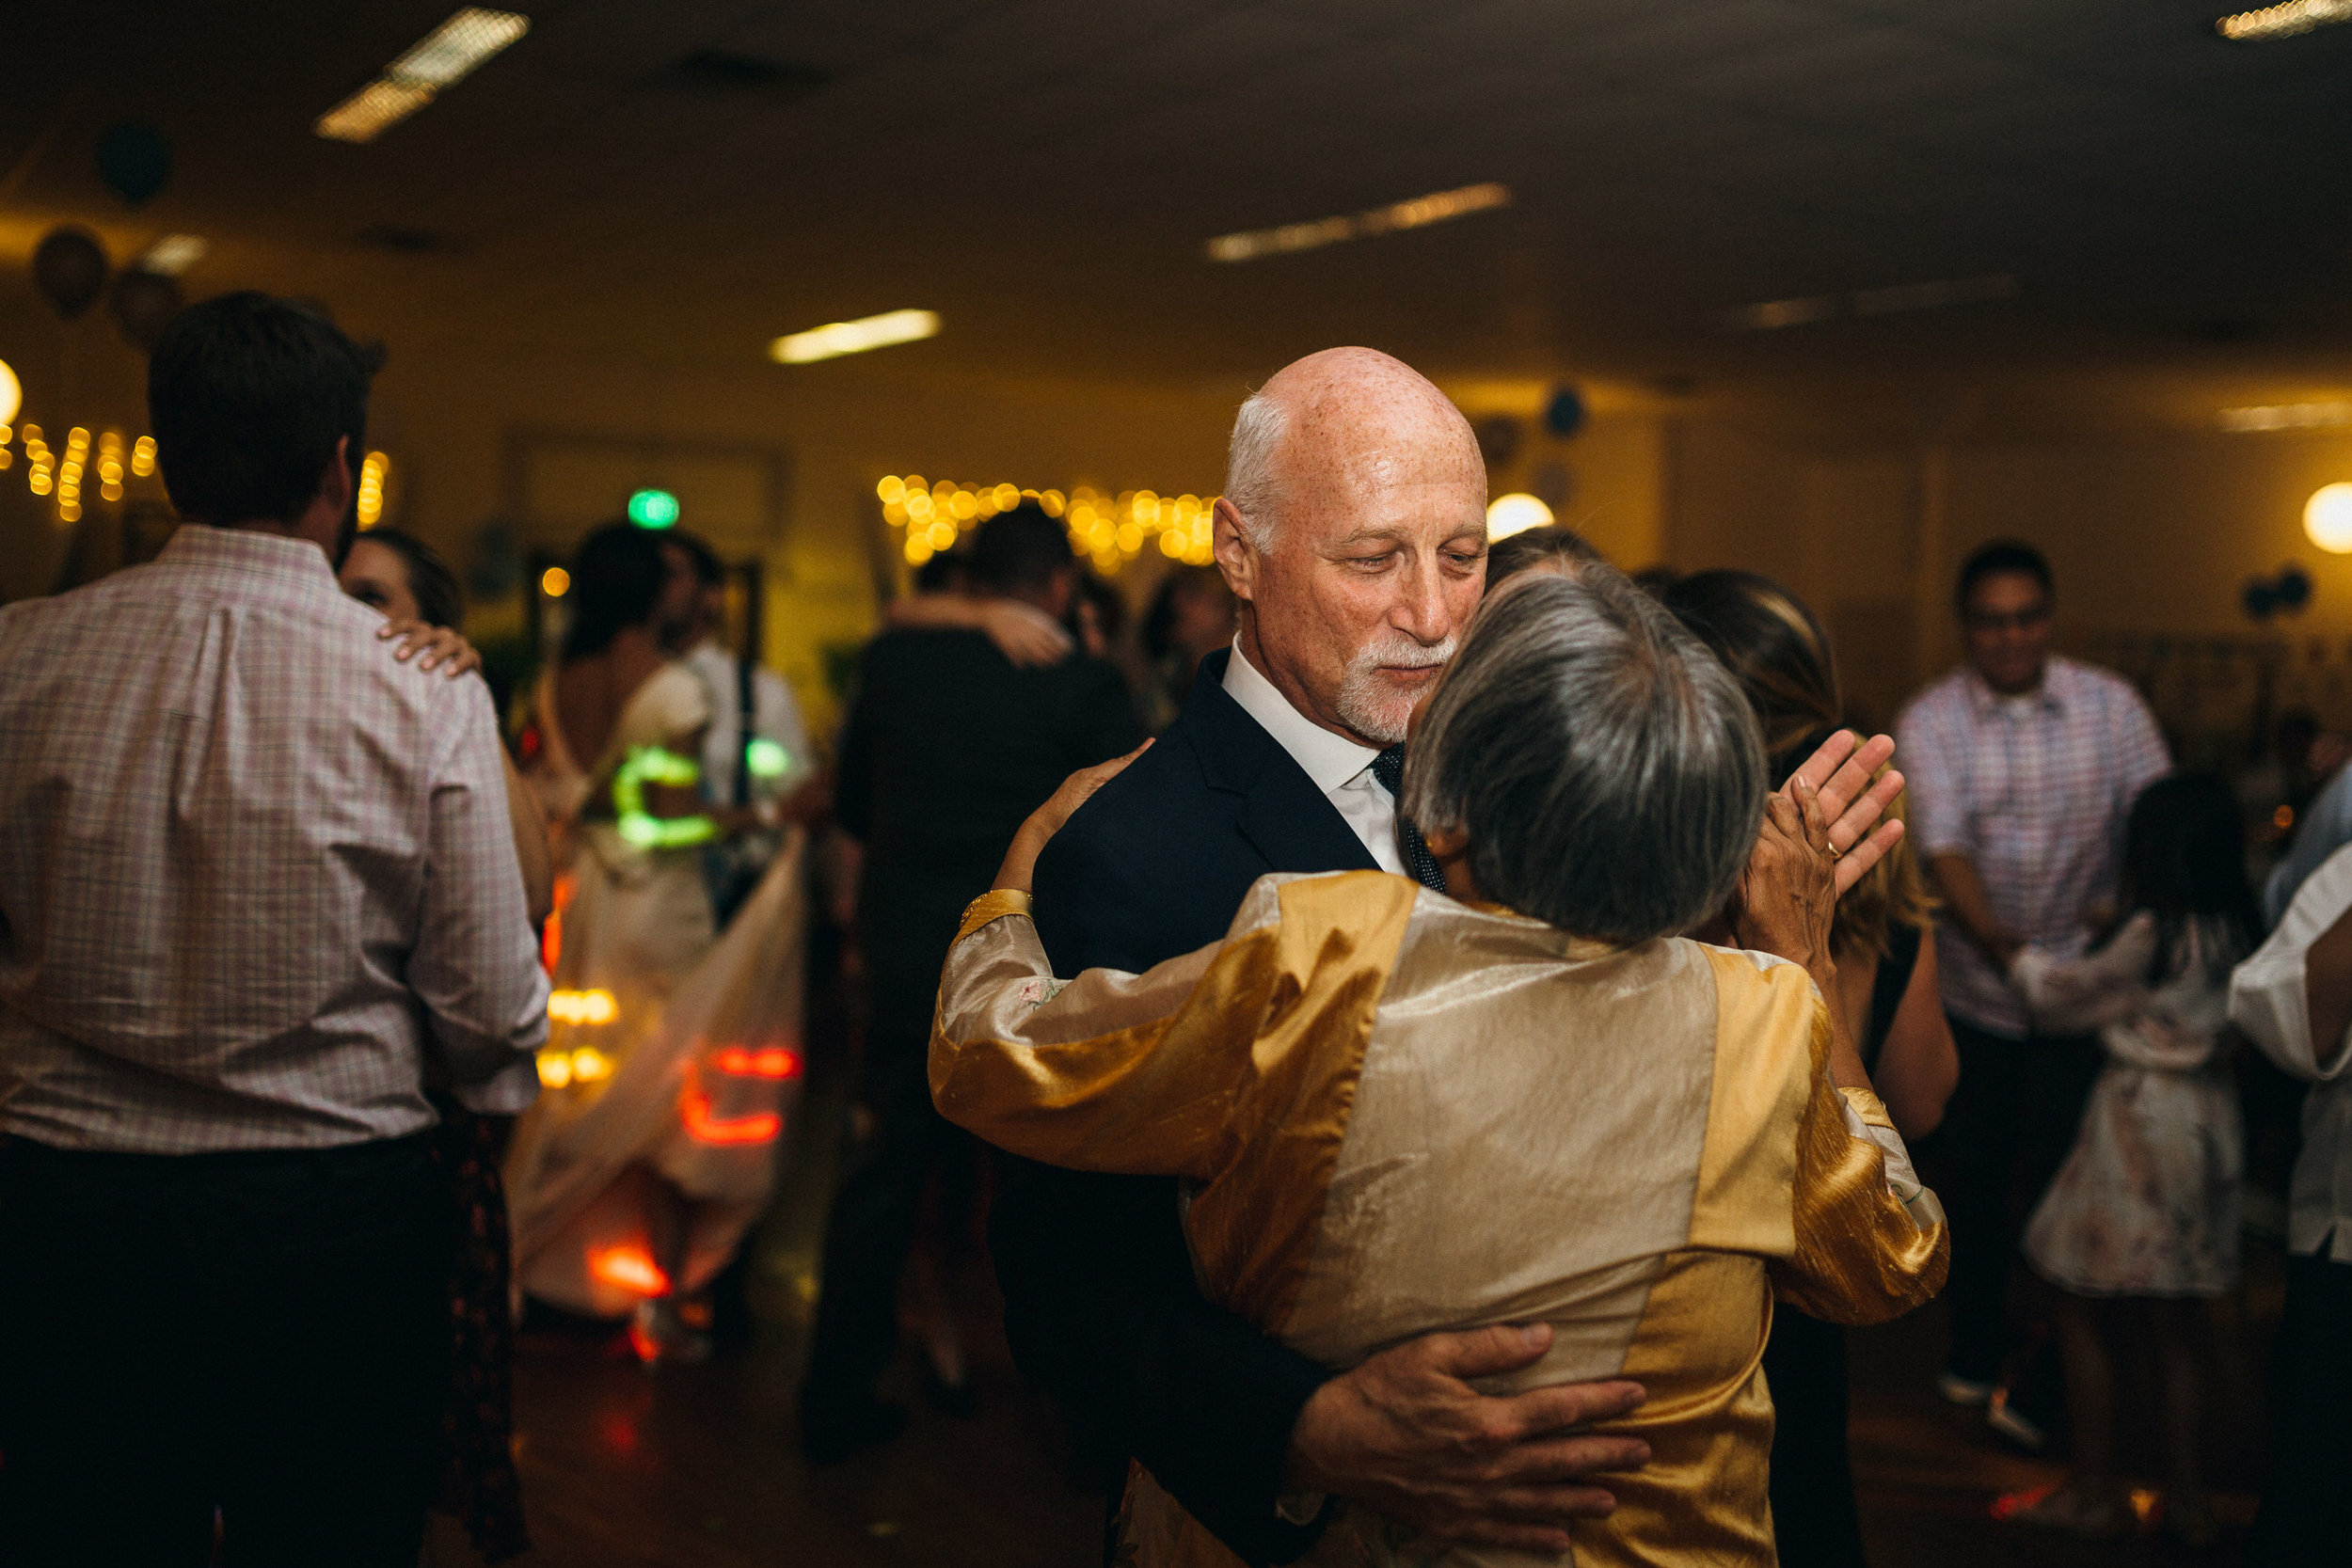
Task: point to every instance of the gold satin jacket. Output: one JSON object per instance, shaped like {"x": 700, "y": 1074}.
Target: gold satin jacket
{"x": 1397, "y": 1114}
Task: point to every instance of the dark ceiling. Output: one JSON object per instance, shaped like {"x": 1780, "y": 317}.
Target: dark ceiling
{"x": 680, "y": 182}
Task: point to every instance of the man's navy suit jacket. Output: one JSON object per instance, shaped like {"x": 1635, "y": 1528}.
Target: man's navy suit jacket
{"x": 1100, "y": 1302}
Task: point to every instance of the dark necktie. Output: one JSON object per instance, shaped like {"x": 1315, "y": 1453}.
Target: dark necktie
{"x": 1389, "y": 768}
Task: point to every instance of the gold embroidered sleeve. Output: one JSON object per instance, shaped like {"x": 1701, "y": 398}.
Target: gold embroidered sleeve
{"x": 1871, "y": 1242}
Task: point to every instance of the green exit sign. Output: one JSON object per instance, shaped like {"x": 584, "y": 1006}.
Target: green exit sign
{"x": 653, "y": 509}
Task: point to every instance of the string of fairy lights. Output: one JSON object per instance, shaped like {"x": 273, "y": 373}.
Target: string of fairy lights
{"x": 62, "y": 477}
{"x": 1107, "y": 530}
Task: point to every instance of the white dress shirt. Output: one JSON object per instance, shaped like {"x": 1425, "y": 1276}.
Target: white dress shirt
{"x": 2267, "y": 999}
{"x": 1339, "y": 767}
{"x": 252, "y": 867}
{"x": 775, "y": 716}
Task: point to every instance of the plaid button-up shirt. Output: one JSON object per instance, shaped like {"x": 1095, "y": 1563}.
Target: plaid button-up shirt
{"x": 2035, "y": 790}
{"x": 252, "y": 868}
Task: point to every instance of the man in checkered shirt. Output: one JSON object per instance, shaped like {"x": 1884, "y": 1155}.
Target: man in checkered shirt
{"x": 2023, "y": 767}
{"x": 256, "y": 881}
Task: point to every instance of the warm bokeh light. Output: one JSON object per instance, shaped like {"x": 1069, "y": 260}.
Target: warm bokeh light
{"x": 582, "y": 1007}
{"x": 1107, "y": 529}
{"x": 630, "y": 1267}
{"x": 724, "y": 1131}
{"x": 2283, "y": 21}
{"x": 555, "y": 582}
{"x": 371, "y": 499}
{"x": 773, "y": 1061}
{"x": 143, "y": 456}
{"x": 1515, "y": 513}
{"x": 2327, "y": 518}
{"x": 834, "y": 339}
{"x": 11, "y": 393}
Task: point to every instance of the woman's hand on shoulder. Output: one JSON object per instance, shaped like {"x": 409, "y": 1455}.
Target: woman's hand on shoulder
{"x": 438, "y": 645}
{"x": 1020, "y": 863}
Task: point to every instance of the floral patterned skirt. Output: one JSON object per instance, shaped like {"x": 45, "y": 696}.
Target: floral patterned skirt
{"x": 2147, "y": 1202}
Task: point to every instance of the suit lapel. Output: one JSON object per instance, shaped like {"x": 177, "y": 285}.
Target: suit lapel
{"x": 1282, "y": 815}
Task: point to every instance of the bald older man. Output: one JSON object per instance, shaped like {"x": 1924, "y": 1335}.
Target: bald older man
{"x": 1354, "y": 534}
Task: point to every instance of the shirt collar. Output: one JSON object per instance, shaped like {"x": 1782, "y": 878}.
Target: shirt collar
{"x": 273, "y": 557}
{"x": 2050, "y": 696}
{"x": 1330, "y": 760}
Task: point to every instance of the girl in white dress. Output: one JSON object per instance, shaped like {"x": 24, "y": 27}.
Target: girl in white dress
{"x": 2141, "y": 1224}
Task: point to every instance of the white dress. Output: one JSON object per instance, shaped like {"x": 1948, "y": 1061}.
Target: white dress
{"x": 672, "y": 1051}
{"x": 2147, "y": 1202}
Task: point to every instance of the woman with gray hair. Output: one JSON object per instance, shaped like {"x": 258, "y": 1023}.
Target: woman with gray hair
{"x": 1527, "y": 1102}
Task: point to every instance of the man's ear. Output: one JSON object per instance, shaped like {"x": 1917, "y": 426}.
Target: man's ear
{"x": 1237, "y": 557}
{"x": 335, "y": 481}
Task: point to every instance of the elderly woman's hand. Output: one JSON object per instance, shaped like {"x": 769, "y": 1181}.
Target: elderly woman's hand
{"x": 1850, "y": 801}
{"x": 1020, "y": 861}
{"x": 1788, "y": 894}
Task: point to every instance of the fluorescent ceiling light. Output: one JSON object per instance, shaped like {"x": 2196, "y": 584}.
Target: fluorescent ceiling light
{"x": 836, "y": 339}
{"x": 440, "y": 60}
{"x": 172, "y": 255}
{"x": 2283, "y": 22}
{"x": 2286, "y": 415}
{"x": 1419, "y": 212}
{"x": 1893, "y": 301}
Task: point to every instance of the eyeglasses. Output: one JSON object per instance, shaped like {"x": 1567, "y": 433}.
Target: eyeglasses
{"x": 2016, "y": 619}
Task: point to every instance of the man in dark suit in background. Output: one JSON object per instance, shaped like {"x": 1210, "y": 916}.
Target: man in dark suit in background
{"x": 948, "y": 746}
{"x": 1352, "y": 530}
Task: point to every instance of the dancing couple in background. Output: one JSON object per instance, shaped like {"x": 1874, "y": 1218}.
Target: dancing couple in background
{"x": 674, "y": 1051}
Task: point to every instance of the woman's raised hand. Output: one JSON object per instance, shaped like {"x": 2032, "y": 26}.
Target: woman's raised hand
{"x": 1850, "y": 804}
{"x": 1020, "y": 861}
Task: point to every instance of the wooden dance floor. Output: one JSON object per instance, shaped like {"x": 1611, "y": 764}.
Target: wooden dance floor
{"x": 698, "y": 1467}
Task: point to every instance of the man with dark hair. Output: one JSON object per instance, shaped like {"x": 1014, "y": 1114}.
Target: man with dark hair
{"x": 253, "y": 396}
{"x": 2022, "y": 768}
{"x": 949, "y": 747}
{"x": 254, "y": 874}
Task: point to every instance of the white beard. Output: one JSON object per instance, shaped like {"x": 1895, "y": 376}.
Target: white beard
{"x": 1369, "y": 704}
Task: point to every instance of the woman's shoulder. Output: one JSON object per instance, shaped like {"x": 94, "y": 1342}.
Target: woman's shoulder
{"x": 1769, "y": 1014}
{"x": 673, "y": 699}
{"x": 1324, "y": 900}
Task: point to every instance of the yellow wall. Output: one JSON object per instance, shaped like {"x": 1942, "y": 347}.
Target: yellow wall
{"x": 2155, "y": 532}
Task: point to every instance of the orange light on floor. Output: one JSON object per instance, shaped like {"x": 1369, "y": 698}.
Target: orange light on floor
{"x": 722, "y": 1131}
{"x": 2010, "y": 1505}
{"x": 630, "y": 1267}
{"x": 551, "y": 935}
{"x": 773, "y": 1061}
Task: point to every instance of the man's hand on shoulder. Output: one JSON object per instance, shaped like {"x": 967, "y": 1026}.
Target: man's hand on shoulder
{"x": 438, "y": 645}
{"x": 1405, "y": 1434}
